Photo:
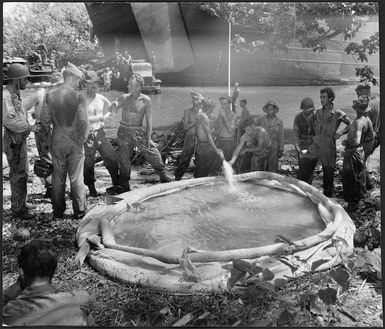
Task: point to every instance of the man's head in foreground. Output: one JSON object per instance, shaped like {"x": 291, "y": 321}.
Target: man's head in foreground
{"x": 37, "y": 262}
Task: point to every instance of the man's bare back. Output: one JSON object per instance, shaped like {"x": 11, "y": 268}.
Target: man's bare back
{"x": 133, "y": 109}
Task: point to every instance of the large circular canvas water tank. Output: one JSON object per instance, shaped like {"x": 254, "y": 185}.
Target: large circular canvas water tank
{"x": 185, "y": 236}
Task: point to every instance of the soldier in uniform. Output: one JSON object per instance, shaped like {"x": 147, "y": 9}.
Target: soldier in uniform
{"x": 327, "y": 121}
{"x": 16, "y": 131}
{"x": 303, "y": 127}
{"x": 274, "y": 126}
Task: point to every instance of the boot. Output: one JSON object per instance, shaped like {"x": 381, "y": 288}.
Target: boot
{"x": 164, "y": 178}
{"x": 93, "y": 191}
{"x": 48, "y": 193}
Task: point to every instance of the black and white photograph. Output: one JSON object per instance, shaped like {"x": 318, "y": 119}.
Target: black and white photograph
{"x": 198, "y": 164}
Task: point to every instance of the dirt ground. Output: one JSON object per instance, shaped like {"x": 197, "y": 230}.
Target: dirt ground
{"x": 124, "y": 305}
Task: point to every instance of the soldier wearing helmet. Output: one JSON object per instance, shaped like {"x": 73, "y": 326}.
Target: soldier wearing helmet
{"x": 274, "y": 126}
{"x": 16, "y": 131}
{"x": 135, "y": 107}
{"x": 303, "y": 128}
{"x": 66, "y": 110}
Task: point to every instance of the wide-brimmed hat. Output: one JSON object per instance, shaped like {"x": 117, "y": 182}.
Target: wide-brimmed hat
{"x": 307, "y": 104}
{"x": 361, "y": 104}
{"x": 270, "y": 103}
{"x": 71, "y": 68}
{"x": 197, "y": 95}
{"x": 363, "y": 86}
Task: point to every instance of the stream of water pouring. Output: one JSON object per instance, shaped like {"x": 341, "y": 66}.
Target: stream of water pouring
{"x": 229, "y": 172}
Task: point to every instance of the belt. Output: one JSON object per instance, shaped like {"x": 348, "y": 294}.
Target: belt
{"x": 125, "y": 125}
{"x": 226, "y": 138}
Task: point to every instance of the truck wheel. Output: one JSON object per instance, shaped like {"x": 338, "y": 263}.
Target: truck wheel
{"x": 157, "y": 91}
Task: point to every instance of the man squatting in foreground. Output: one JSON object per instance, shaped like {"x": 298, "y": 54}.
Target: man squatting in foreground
{"x": 66, "y": 110}
{"x": 358, "y": 146}
{"x": 16, "y": 131}
{"x": 33, "y": 301}
{"x": 98, "y": 109}
{"x": 135, "y": 106}
{"x": 254, "y": 147}
{"x": 189, "y": 121}
{"x": 208, "y": 158}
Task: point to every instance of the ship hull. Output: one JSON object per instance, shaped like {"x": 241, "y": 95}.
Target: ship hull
{"x": 191, "y": 48}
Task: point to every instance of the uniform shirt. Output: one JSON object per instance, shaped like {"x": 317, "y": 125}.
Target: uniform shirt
{"x": 45, "y": 305}
{"x": 303, "y": 128}
{"x": 274, "y": 128}
{"x": 327, "y": 122}
{"x": 14, "y": 116}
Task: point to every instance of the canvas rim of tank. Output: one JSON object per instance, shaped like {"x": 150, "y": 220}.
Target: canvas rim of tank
{"x": 335, "y": 241}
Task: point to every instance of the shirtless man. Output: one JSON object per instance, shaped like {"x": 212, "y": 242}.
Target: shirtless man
{"x": 36, "y": 101}
{"x": 254, "y": 147}
{"x": 358, "y": 146}
{"x": 208, "y": 158}
{"x": 189, "y": 121}
{"x": 66, "y": 110}
{"x": 98, "y": 109}
{"x": 225, "y": 128}
{"x": 135, "y": 106}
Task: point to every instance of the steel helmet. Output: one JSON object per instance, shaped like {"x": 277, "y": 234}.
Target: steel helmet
{"x": 17, "y": 71}
{"x": 307, "y": 104}
{"x": 43, "y": 167}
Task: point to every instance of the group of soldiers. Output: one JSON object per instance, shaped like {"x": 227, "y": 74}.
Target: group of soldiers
{"x": 250, "y": 144}
{"x": 69, "y": 130}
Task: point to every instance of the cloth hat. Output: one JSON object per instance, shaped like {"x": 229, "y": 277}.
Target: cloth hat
{"x": 197, "y": 95}
{"x": 226, "y": 97}
{"x": 272, "y": 103}
{"x": 361, "y": 104}
{"x": 71, "y": 68}
{"x": 363, "y": 86}
{"x": 92, "y": 76}
{"x": 307, "y": 104}
{"x": 56, "y": 77}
